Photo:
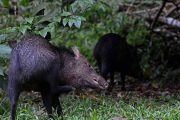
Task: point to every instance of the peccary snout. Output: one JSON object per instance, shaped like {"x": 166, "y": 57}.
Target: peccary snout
{"x": 96, "y": 83}
{"x": 102, "y": 84}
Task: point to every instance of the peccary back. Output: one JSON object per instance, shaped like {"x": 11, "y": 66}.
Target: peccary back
{"x": 38, "y": 65}
{"x": 113, "y": 54}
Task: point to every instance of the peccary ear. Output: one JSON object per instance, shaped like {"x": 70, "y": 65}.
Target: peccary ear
{"x": 76, "y": 51}
{"x": 12, "y": 43}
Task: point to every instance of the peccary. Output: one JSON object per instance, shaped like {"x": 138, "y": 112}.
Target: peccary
{"x": 37, "y": 65}
{"x": 113, "y": 54}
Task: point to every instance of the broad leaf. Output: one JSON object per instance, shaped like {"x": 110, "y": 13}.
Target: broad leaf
{"x": 40, "y": 7}
{"x": 50, "y": 28}
{"x": 8, "y": 30}
{"x": 44, "y": 31}
{"x": 48, "y": 17}
{"x": 3, "y": 37}
{"x": 24, "y": 2}
{"x": 57, "y": 19}
{"x": 5, "y": 3}
{"x": 71, "y": 21}
{"x": 78, "y": 23}
{"x": 65, "y": 14}
{"x": 5, "y": 51}
{"x": 23, "y": 28}
{"x": 1, "y": 71}
{"x": 29, "y": 20}
{"x": 65, "y": 21}
{"x": 82, "y": 18}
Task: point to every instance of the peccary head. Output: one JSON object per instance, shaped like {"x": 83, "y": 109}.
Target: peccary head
{"x": 79, "y": 73}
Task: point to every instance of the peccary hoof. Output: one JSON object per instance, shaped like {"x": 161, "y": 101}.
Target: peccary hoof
{"x": 123, "y": 89}
{"x": 107, "y": 92}
{"x": 110, "y": 88}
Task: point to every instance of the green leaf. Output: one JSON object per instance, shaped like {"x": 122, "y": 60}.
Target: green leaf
{"x": 3, "y": 37}
{"x": 82, "y": 5}
{"x": 24, "y": 2}
{"x": 82, "y": 18}
{"x": 77, "y": 23}
{"x": 65, "y": 21}
{"x": 5, "y": 3}
{"x": 71, "y": 21}
{"x": 40, "y": 7}
{"x": 44, "y": 31}
{"x": 23, "y": 28}
{"x": 1, "y": 71}
{"x": 50, "y": 28}
{"x": 49, "y": 17}
{"x": 65, "y": 14}
{"x": 5, "y": 51}
{"x": 8, "y": 30}
{"x": 29, "y": 20}
{"x": 57, "y": 19}
{"x": 77, "y": 20}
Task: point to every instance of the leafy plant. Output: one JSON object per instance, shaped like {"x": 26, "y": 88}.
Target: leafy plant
{"x": 38, "y": 17}
{"x": 81, "y": 25}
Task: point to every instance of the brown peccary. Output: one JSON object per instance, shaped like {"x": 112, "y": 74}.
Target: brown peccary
{"x": 113, "y": 54}
{"x": 37, "y": 65}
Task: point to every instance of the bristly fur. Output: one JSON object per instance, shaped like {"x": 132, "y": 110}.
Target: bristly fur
{"x": 38, "y": 65}
{"x": 113, "y": 54}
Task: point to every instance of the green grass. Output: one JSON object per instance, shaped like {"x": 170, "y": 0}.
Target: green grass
{"x": 101, "y": 107}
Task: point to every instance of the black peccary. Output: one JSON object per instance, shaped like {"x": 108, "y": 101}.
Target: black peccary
{"x": 113, "y": 54}
{"x": 36, "y": 64}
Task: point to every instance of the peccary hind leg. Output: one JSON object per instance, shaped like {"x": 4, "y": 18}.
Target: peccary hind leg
{"x": 60, "y": 90}
{"x": 57, "y": 105}
{"x": 14, "y": 93}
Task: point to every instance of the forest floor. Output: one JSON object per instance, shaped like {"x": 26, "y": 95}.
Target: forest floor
{"x": 145, "y": 102}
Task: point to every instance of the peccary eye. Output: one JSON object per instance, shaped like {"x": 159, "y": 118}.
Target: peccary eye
{"x": 95, "y": 79}
{"x": 88, "y": 65}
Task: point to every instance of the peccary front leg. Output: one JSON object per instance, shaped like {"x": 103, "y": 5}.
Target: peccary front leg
{"x": 104, "y": 71}
{"x": 111, "y": 81}
{"x": 112, "y": 78}
{"x": 58, "y": 91}
{"x": 14, "y": 93}
{"x": 63, "y": 89}
{"x": 47, "y": 101}
{"x": 123, "y": 75}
